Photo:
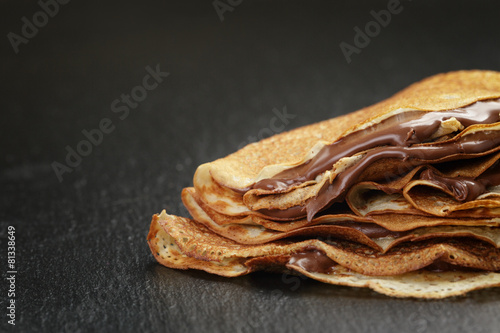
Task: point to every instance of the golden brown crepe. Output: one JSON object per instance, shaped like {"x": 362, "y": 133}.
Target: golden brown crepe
{"x": 181, "y": 243}
{"x": 402, "y": 197}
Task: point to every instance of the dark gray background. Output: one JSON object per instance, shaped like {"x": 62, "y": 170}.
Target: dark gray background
{"x": 82, "y": 258}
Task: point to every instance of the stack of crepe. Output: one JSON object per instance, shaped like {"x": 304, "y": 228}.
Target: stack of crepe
{"x": 402, "y": 197}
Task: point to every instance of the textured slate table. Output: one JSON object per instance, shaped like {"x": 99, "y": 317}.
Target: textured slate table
{"x": 81, "y": 256}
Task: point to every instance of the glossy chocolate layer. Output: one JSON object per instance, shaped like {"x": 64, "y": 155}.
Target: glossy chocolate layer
{"x": 313, "y": 261}
{"x": 394, "y": 138}
{"x": 461, "y": 188}
{"x": 401, "y": 130}
{"x": 409, "y": 157}
{"x": 464, "y": 188}
{"x": 418, "y": 155}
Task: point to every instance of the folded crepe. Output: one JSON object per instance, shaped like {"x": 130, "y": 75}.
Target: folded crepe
{"x": 402, "y": 197}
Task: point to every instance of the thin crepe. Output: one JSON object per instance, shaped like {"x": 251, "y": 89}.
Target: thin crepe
{"x": 347, "y": 227}
{"x": 222, "y": 183}
{"x": 181, "y": 243}
{"x": 411, "y": 195}
{"x": 239, "y": 226}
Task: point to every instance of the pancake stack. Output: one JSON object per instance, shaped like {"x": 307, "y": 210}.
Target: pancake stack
{"x": 402, "y": 197}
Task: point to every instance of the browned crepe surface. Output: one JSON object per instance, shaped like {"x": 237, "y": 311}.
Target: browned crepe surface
{"x": 439, "y": 92}
{"x": 181, "y": 243}
{"x": 231, "y": 234}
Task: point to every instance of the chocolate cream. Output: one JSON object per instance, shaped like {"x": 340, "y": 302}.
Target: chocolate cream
{"x": 313, "y": 261}
{"x": 465, "y": 188}
{"x": 397, "y": 137}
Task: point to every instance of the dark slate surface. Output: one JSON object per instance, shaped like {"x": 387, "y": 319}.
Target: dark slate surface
{"x": 82, "y": 259}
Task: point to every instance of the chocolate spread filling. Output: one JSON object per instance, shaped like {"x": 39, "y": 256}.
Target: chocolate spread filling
{"x": 313, "y": 261}
{"x": 394, "y": 138}
{"x": 394, "y": 131}
{"x": 465, "y": 188}
{"x": 409, "y": 156}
